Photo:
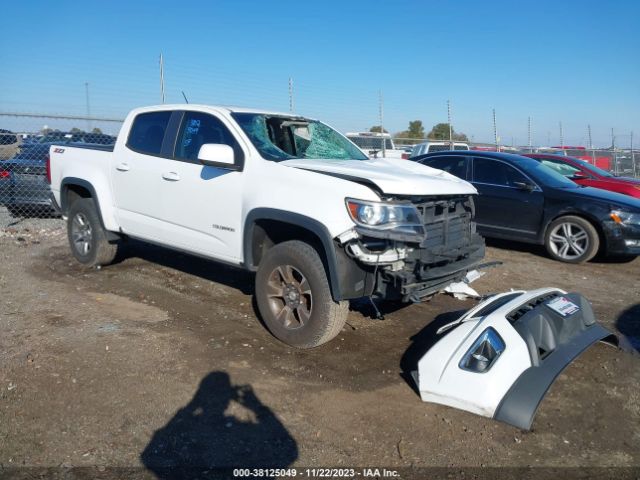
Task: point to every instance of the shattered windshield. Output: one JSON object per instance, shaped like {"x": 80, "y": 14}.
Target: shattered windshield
{"x": 280, "y": 138}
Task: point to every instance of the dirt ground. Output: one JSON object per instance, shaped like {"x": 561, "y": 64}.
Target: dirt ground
{"x": 160, "y": 359}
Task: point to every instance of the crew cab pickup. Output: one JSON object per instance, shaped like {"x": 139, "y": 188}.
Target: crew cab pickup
{"x": 284, "y": 196}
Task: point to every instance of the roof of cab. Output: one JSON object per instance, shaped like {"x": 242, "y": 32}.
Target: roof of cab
{"x": 215, "y": 108}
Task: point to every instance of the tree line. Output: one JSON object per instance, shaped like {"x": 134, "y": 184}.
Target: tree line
{"x": 416, "y": 131}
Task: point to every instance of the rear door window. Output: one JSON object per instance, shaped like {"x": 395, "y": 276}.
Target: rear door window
{"x": 147, "y": 132}
{"x": 454, "y": 165}
{"x": 493, "y": 172}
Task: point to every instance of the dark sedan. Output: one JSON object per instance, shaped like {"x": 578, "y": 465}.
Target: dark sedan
{"x": 522, "y": 199}
{"x": 23, "y": 183}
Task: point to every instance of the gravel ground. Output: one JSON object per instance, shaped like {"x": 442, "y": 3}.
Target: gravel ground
{"x": 160, "y": 359}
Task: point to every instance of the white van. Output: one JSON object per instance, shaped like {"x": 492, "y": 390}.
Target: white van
{"x": 429, "y": 147}
{"x": 371, "y": 143}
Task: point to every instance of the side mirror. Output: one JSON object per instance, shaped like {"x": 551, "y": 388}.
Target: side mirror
{"x": 578, "y": 176}
{"x": 526, "y": 186}
{"x": 217, "y": 155}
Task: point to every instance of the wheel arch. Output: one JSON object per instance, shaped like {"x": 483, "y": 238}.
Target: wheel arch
{"x": 265, "y": 227}
{"x": 72, "y": 188}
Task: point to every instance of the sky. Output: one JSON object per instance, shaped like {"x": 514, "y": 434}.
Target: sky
{"x": 575, "y": 62}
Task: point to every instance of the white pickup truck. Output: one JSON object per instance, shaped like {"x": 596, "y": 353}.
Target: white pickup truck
{"x": 285, "y": 196}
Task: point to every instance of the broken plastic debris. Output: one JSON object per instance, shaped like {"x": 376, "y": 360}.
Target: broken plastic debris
{"x": 461, "y": 291}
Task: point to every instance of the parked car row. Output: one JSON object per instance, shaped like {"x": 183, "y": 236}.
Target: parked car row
{"x": 23, "y": 176}
{"x": 530, "y": 199}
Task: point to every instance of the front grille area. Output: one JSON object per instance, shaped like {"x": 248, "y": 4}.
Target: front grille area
{"x": 448, "y": 223}
{"x": 519, "y": 312}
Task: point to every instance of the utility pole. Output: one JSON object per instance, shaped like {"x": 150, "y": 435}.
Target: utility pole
{"x": 450, "y": 125}
{"x": 495, "y": 131}
{"x": 384, "y": 140}
{"x": 290, "y": 95}
{"x": 593, "y": 152}
{"x": 86, "y": 91}
{"x": 613, "y": 152}
{"x": 633, "y": 158}
{"x": 529, "y": 135}
{"x": 161, "y": 78}
{"x": 561, "y": 136}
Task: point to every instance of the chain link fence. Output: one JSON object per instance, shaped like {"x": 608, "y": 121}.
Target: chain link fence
{"x": 25, "y": 140}
{"x": 24, "y": 147}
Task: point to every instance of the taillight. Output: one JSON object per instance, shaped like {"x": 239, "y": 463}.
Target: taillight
{"x": 4, "y": 174}
{"x": 405, "y": 156}
{"x": 48, "y": 169}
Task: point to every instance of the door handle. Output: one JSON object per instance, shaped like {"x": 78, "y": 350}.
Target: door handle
{"x": 171, "y": 176}
{"x": 123, "y": 167}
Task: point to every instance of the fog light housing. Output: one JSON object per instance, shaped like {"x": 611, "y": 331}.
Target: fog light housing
{"x": 632, "y": 243}
{"x": 484, "y": 352}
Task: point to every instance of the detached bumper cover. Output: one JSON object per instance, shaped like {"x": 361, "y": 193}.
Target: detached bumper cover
{"x": 500, "y": 358}
{"x": 519, "y": 405}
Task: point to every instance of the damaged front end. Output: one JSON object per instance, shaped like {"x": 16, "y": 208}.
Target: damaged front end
{"x": 500, "y": 358}
{"x": 413, "y": 247}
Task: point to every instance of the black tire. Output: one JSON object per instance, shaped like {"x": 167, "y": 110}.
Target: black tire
{"x": 89, "y": 246}
{"x": 572, "y": 239}
{"x": 295, "y": 266}
{"x": 16, "y": 211}
{"x": 620, "y": 258}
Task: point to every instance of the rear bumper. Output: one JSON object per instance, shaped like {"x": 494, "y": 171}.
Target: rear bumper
{"x": 15, "y": 193}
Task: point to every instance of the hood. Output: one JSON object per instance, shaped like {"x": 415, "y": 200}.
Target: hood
{"x": 605, "y": 196}
{"x": 391, "y": 176}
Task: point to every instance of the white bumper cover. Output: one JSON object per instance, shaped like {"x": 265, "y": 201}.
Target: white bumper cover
{"x": 499, "y": 359}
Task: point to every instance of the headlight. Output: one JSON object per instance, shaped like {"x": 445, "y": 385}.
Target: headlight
{"x": 484, "y": 352}
{"x": 626, "y": 218}
{"x": 400, "y": 218}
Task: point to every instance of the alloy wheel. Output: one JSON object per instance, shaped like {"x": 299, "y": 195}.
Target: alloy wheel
{"x": 568, "y": 241}
{"x": 81, "y": 233}
{"x": 289, "y": 296}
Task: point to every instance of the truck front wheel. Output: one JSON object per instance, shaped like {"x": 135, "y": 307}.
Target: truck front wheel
{"x": 294, "y": 298}
{"x": 87, "y": 238}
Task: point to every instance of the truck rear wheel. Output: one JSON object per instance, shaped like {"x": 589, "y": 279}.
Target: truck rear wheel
{"x": 87, "y": 237}
{"x": 294, "y": 298}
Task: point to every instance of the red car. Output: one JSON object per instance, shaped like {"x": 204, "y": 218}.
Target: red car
{"x": 583, "y": 173}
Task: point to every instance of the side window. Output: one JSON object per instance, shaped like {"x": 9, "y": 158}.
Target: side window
{"x": 456, "y": 166}
{"x": 147, "y": 132}
{"x": 199, "y": 128}
{"x": 560, "y": 167}
{"x": 492, "y": 172}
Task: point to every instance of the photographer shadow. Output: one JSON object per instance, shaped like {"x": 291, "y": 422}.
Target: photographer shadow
{"x": 223, "y": 426}
{"x": 628, "y": 323}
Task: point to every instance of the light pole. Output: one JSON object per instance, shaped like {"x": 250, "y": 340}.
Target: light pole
{"x": 86, "y": 91}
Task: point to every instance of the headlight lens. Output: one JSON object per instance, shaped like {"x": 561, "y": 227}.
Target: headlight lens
{"x": 626, "y": 218}
{"x": 396, "y": 217}
{"x": 484, "y": 352}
